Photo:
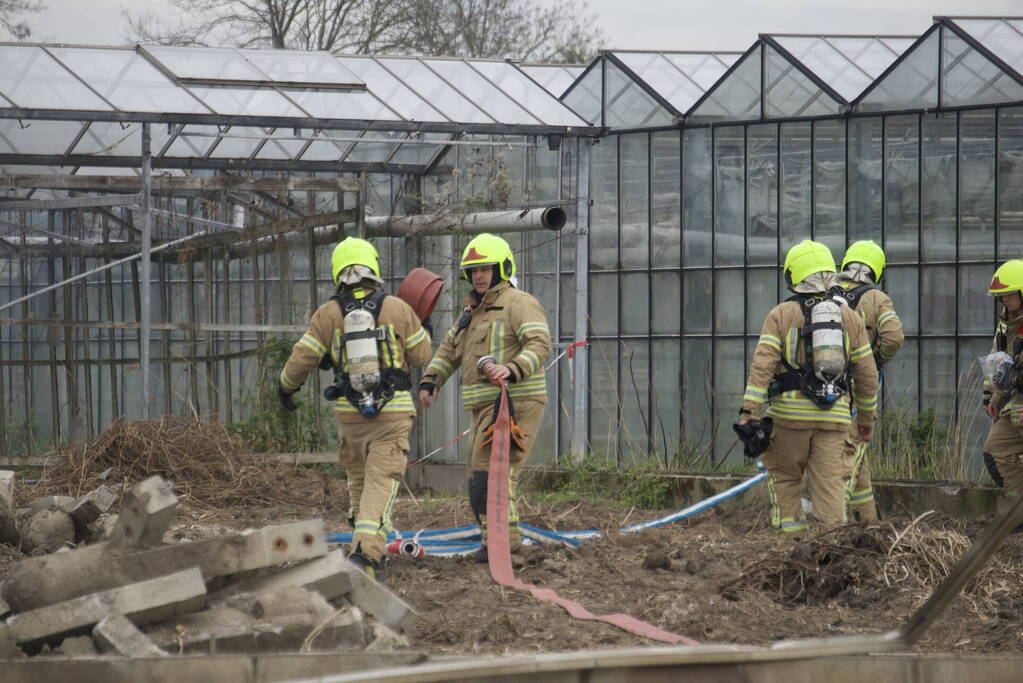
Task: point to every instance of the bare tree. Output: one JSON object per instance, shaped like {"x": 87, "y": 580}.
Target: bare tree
{"x": 9, "y": 9}
{"x": 355, "y": 26}
{"x": 517, "y": 29}
{"x": 520, "y": 29}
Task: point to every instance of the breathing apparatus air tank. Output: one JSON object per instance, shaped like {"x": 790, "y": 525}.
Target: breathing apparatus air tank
{"x": 827, "y": 340}
{"x": 363, "y": 363}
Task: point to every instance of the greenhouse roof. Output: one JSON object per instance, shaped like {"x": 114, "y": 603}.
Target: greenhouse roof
{"x": 555, "y": 78}
{"x": 271, "y": 109}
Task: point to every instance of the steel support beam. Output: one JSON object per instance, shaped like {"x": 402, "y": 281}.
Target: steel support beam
{"x": 580, "y": 364}
{"x": 170, "y": 184}
{"x": 69, "y": 203}
{"x": 146, "y": 266}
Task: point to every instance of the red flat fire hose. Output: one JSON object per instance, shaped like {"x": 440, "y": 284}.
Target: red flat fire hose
{"x": 499, "y": 550}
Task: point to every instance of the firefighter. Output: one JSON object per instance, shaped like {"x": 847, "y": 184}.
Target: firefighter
{"x": 501, "y": 336}
{"x": 1005, "y": 440}
{"x": 861, "y": 273}
{"x": 808, "y": 347}
{"x": 369, "y": 339}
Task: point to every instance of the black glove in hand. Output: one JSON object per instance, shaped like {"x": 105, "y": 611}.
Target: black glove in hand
{"x": 286, "y": 400}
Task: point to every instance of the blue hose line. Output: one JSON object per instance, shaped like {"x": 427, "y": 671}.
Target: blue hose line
{"x": 444, "y": 542}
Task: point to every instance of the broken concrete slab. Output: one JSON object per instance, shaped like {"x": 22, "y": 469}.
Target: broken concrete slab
{"x": 386, "y": 639}
{"x": 145, "y": 602}
{"x": 229, "y": 630}
{"x": 39, "y": 581}
{"x": 290, "y": 601}
{"x": 376, "y": 599}
{"x": 8, "y": 512}
{"x": 89, "y": 507}
{"x": 327, "y": 575}
{"x": 7, "y": 487}
{"x": 8, "y": 647}
{"x": 57, "y": 503}
{"x": 47, "y": 531}
{"x": 145, "y": 515}
{"x": 116, "y": 634}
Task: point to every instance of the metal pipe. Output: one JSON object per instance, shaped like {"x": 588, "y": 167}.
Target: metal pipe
{"x": 548, "y": 218}
{"x": 580, "y": 364}
{"x": 107, "y": 266}
{"x": 145, "y": 270}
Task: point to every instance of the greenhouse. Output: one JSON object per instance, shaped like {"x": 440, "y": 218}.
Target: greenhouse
{"x": 685, "y": 177}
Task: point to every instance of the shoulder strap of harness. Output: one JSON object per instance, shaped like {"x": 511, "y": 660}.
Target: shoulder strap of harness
{"x": 853, "y": 296}
{"x": 348, "y": 302}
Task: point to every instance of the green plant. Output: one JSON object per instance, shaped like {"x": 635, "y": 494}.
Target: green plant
{"x": 635, "y": 484}
{"x": 268, "y": 427}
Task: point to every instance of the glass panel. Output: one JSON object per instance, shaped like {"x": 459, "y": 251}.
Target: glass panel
{"x": 703, "y": 68}
{"x": 938, "y": 187}
{"x": 634, "y": 176}
{"x": 761, "y": 297}
{"x": 665, "y": 77}
{"x": 865, "y": 179}
{"x": 128, "y": 80}
{"x": 728, "y": 298}
{"x": 554, "y": 79}
{"x": 604, "y": 209}
{"x": 604, "y": 304}
{"x": 736, "y": 97}
{"x": 384, "y": 85}
{"x": 971, "y": 78}
{"x": 245, "y": 101}
{"x": 1010, "y": 179}
{"x": 635, "y": 303}
{"x": 1003, "y": 37}
{"x": 903, "y": 287}
{"x": 535, "y": 100}
{"x": 762, "y": 194}
{"x": 696, "y": 311}
{"x": 333, "y": 104}
{"x": 634, "y": 391}
{"x": 666, "y": 229}
{"x": 977, "y": 309}
{"x": 847, "y": 64}
{"x": 37, "y": 137}
{"x": 665, "y": 303}
{"x": 697, "y": 393}
{"x": 373, "y": 151}
{"x": 234, "y": 147}
{"x": 977, "y": 185}
{"x": 796, "y": 184}
{"x": 790, "y": 93}
{"x": 829, "y": 180}
{"x": 604, "y": 424}
{"x": 902, "y": 380}
{"x": 629, "y": 105}
{"x": 431, "y": 88}
{"x": 729, "y": 384}
{"x": 729, "y": 195}
{"x": 295, "y": 66}
{"x": 213, "y": 63}
{"x": 902, "y": 188}
{"x": 938, "y": 392}
{"x": 331, "y": 151}
{"x": 697, "y": 196}
{"x": 973, "y": 424}
{"x": 939, "y": 300}
{"x": 34, "y": 80}
{"x": 567, "y": 309}
{"x": 418, "y": 154}
{"x": 913, "y": 84}
{"x": 666, "y": 397}
{"x": 186, "y": 145}
{"x": 584, "y": 98}
{"x": 481, "y": 92}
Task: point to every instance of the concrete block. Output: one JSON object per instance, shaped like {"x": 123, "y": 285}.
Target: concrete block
{"x": 7, "y": 488}
{"x": 327, "y": 575}
{"x": 143, "y": 603}
{"x": 47, "y": 531}
{"x": 5, "y": 609}
{"x": 89, "y": 507}
{"x": 39, "y": 581}
{"x": 376, "y": 599}
{"x": 58, "y": 503}
{"x": 77, "y": 646}
{"x": 8, "y": 647}
{"x": 286, "y": 602}
{"x": 117, "y": 634}
{"x": 145, "y": 515}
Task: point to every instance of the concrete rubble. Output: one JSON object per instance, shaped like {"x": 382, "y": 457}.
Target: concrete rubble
{"x": 96, "y": 585}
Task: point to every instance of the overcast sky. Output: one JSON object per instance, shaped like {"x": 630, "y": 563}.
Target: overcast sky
{"x": 634, "y": 24}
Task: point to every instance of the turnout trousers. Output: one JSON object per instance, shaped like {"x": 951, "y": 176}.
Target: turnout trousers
{"x": 1005, "y": 444}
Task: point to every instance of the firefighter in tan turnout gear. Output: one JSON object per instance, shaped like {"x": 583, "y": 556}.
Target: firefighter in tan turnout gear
{"x": 1003, "y": 388}
{"x": 502, "y": 335}
{"x": 369, "y": 339}
{"x": 861, "y": 273}
{"x": 808, "y": 347}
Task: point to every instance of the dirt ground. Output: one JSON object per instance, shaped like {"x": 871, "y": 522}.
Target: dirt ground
{"x": 718, "y": 578}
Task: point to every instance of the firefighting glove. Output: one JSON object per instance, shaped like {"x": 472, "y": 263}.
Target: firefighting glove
{"x": 755, "y": 436}
{"x": 326, "y": 363}
{"x": 286, "y": 400}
